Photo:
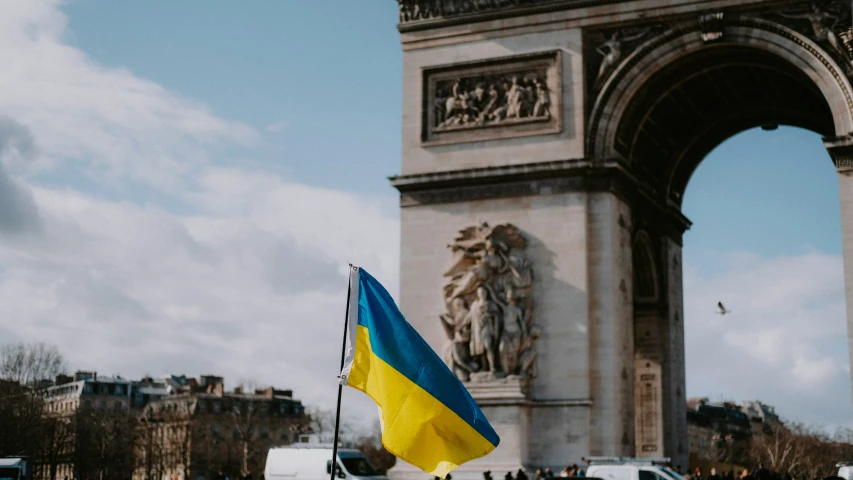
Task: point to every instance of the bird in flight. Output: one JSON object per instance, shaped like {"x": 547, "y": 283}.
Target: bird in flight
{"x": 721, "y": 310}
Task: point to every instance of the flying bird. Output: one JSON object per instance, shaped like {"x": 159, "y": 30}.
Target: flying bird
{"x": 721, "y": 310}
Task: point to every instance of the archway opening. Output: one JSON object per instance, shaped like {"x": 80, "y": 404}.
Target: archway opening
{"x": 670, "y": 123}
{"x": 766, "y": 242}
{"x": 686, "y": 109}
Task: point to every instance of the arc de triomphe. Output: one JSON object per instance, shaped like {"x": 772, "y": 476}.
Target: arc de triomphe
{"x": 547, "y": 145}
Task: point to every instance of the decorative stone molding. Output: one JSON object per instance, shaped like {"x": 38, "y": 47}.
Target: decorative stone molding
{"x": 712, "y": 26}
{"x": 749, "y": 30}
{"x": 492, "y": 99}
{"x": 826, "y": 23}
{"x": 514, "y": 388}
{"x": 488, "y": 297}
{"x": 841, "y": 152}
{"x": 419, "y": 10}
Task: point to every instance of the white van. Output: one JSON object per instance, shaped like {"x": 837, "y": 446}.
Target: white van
{"x": 314, "y": 462}
{"x": 845, "y": 470}
{"x": 625, "y": 468}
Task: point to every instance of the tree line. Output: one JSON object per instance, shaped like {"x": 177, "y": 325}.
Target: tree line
{"x": 99, "y": 444}
{"x": 105, "y": 444}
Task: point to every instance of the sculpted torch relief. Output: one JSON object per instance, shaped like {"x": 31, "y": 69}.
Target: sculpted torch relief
{"x": 488, "y": 297}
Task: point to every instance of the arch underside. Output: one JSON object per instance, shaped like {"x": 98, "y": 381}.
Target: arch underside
{"x": 687, "y": 109}
{"x": 675, "y": 99}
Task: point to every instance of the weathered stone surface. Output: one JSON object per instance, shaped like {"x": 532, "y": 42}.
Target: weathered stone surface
{"x": 490, "y": 327}
{"x": 638, "y": 93}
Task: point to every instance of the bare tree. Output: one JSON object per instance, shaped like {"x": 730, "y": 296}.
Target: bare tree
{"x": 247, "y": 420}
{"x": 30, "y": 363}
{"x": 779, "y": 449}
{"x": 22, "y": 369}
{"x": 57, "y": 443}
{"x": 322, "y": 423}
{"x": 21, "y": 419}
{"x": 105, "y": 443}
{"x": 370, "y": 443}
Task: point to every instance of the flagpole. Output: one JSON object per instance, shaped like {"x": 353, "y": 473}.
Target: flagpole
{"x": 334, "y": 468}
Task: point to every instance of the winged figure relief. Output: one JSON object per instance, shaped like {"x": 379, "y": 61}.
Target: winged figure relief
{"x": 487, "y": 295}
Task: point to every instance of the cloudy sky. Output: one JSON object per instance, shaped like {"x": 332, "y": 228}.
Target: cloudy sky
{"x": 183, "y": 184}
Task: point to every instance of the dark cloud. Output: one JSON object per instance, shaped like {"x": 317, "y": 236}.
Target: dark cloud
{"x": 18, "y": 211}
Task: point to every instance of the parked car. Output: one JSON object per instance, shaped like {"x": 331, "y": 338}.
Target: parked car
{"x": 15, "y": 468}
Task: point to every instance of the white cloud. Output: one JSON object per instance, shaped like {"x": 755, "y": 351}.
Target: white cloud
{"x": 247, "y": 279}
{"x": 785, "y": 341}
{"x": 107, "y": 121}
{"x": 134, "y": 290}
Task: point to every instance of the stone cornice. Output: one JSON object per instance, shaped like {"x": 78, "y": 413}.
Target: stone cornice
{"x": 487, "y": 175}
{"x": 546, "y": 178}
{"x": 841, "y": 151}
{"x": 417, "y": 15}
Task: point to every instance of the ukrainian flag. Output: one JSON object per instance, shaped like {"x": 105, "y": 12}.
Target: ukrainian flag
{"x": 427, "y": 416}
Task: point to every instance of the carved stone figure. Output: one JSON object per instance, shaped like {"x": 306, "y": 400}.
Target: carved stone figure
{"x": 457, "y": 350}
{"x": 823, "y": 23}
{"x": 611, "y": 49}
{"x": 514, "y": 330}
{"x": 490, "y": 99}
{"x": 483, "y": 314}
{"x": 489, "y": 324}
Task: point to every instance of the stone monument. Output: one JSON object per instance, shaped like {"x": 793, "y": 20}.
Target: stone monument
{"x": 549, "y": 143}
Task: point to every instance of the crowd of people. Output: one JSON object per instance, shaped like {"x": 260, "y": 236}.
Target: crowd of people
{"x": 574, "y": 471}
{"x": 758, "y": 473}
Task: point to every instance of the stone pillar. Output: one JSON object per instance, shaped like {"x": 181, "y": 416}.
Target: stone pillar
{"x": 845, "y": 194}
{"x": 611, "y": 339}
{"x": 659, "y": 406}
{"x": 841, "y": 151}
{"x": 673, "y": 375}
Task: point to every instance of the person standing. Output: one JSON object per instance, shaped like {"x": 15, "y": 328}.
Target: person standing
{"x": 714, "y": 475}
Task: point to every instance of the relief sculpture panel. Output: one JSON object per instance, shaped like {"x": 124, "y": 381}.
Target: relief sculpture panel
{"x": 488, "y": 297}
{"x": 492, "y": 99}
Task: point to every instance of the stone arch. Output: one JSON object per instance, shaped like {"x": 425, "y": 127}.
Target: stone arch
{"x": 814, "y": 94}
{"x": 646, "y": 283}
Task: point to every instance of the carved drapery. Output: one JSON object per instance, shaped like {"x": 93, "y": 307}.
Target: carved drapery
{"x": 489, "y": 305}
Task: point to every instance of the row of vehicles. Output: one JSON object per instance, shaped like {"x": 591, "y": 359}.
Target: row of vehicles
{"x": 16, "y": 468}
{"x": 313, "y": 462}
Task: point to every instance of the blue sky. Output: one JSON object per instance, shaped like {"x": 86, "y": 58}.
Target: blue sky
{"x": 339, "y": 96}
{"x": 772, "y": 192}
{"x": 331, "y": 71}
{"x": 183, "y": 151}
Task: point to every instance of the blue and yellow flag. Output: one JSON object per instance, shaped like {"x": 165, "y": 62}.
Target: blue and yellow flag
{"x": 427, "y": 416}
